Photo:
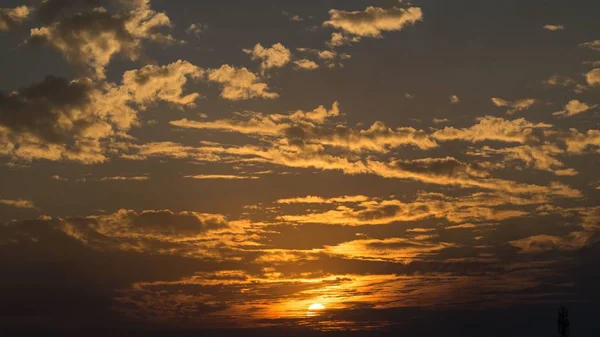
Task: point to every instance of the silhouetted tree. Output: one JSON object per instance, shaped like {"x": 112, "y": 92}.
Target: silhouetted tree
{"x": 563, "y": 321}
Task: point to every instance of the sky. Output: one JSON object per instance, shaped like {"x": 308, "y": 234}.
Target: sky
{"x": 300, "y": 168}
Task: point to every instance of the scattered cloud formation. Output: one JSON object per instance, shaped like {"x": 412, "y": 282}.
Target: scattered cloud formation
{"x": 565, "y": 82}
{"x": 216, "y": 187}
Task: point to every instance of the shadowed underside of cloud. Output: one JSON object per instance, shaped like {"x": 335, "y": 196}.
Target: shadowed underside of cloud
{"x": 91, "y": 38}
{"x": 76, "y": 120}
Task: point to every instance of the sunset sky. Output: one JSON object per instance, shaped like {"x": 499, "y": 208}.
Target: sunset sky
{"x": 317, "y": 167}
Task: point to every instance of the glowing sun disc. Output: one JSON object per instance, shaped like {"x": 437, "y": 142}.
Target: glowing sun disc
{"x": 316, "y": 307}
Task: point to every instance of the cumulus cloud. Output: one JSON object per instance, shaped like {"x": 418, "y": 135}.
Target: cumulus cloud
{"x": 12, "y": 17}
{"x": 76, "y": 120}
{"x": 276, "y": 56}
{"x": 162, "y": 83}
{"x": 575, "y": 107}
{"x": 373, "y": 20}
{"x": 306, "y": 64}
{"x": 593, "y": 77}
{"x": 514, "y": 106}
{"x": 91, "y": 38}
{"x": 240, "y": 83}
{"x": 578, "y": 142}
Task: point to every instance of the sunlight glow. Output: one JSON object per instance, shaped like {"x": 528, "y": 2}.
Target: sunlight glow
{"x": 316, "y": 307}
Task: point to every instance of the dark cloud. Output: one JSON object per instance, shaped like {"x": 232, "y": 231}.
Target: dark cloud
{"x": 90, "y": 38}
{"x": 40, "y": 110}
{"x": 52, "y": 278}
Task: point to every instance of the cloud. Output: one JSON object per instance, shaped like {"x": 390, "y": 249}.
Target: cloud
{"x": 13, "y": 17}
{"x": 575, "y": 107}
{"x": 306, "y": 64}
{"x": 306, "y": 127}
{"x": 545, "y": 243}
{"x": 58, "y": 178}
{"x": 239, "y": 83}
{"x": 77, "y": 120}
{"x": 593, "y": 77}
{"x": 276, "y": 56}
{"x": 196, "y": 29}
{"x": 361, "y": 211}
{"x": 450, "y": 171}
{"x": 163, "y": 225}
{"x": 220, "y": 177}
{"x": 493, "y": 128}
{"x": 122, "y": 178}
{"x": 373, "y": 20}
{"x": 578, "y": 142}
{"x": 593, "y": 45}
{"x": 554, "y": 28}
{"x": 514, "y": 106}
{"x": 321, "y": 200}
{"x": 292, "y": 17}
{"x": 20, "y": 203}
{"x": 565, "y": 82}
{"x": 331, "y": 58}
{"x": 91, "y": 38}
{"x": 162, "y": 83}
{"x": 540, "y": 157}
{"x": 306, "y": 140}
{"x": 393, "y": 249}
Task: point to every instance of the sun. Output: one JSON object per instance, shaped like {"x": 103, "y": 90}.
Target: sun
{"x": 316, "y": 307}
